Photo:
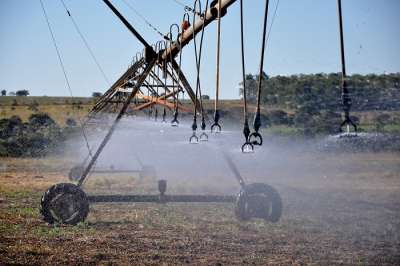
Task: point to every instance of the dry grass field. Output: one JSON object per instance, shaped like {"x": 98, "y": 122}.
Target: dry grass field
{"x": 338, "y": 209}
{"x": 350, "y": 217}
{"x": 62, "y": 108}
{"x": 59, "y": 108}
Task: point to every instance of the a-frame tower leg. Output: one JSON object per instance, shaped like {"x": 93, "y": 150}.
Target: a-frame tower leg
{"x": 140, "y": 81}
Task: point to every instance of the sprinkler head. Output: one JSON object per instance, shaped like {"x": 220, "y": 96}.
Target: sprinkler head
{"x": 162, "y": 186}
{"x": 194, "y": 139}
{"x": 247, "y": 147}
{"x": 203, "y": 137}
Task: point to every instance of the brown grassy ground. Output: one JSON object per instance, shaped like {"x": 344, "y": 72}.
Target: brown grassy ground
{"x": 353, "y": 217}
{"x": 60, "y": 113}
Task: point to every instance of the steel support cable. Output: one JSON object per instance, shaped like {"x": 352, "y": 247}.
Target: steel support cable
{"x": 139, "y": 56}
{"x": 149, "y": 94}
{"x": 159, "y": 45}
{"x": 185, "y": 16}
{"x": 169, "y": 45}
{"x": 153, "y": 83}
{"x": 150, "y": 86}
{"x": 165, "y": 37}
{"x": 165, "y": 83}
{"x": 247, "y": 146}
{"x": 198, "y": 53}
{"x": 272, "y": 22}
{"x": 257, "y": 117}
{"x": 175, "y": 121}
{"x": 203, "y": 135}
{"x": 189, "y": 9}
{"x": 194, "y": 139}
{"x": 86, "y": 43}
{"x": 65, "y": 76}
{"x": 151, "y": 108}
{"x": 156, "y": 109}
{"x": 216, "y": 127}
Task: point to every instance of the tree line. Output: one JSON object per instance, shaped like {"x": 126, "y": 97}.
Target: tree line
{"x": 15, "y": 93}
{"x": 369, "y": 92}
{"x": 312, "y": 103}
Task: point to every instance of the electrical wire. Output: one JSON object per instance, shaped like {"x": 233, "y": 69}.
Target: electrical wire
{"x": 86, "y": 43}
{"x": 65, "y": 73}
{"x": 164, "y": 36}
{"x": 272, "y": 21}
{"x": 188, "y": 8}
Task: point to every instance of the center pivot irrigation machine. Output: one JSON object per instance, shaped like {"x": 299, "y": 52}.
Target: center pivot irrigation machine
{"x": 156, "y": 71}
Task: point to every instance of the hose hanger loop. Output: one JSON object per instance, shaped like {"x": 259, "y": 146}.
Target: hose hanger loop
{"x": 154, "y": 92}
{"x": 162, "y": 45}
{"x": 198, "y": 53}
{"x": 150, "y": 88}
{"x": 185, "y": 25}
{"x": 159, "y": 50}
{"x": 165, "y": 76}
{"x": 216, "y": 127}
{"x": 171, "y": 41}
{"x": 247, "y": 147}
{"x": 193, "y": 10}
{"x": 174, "y": 121}
{"x": 255, "y": 138}
{"x": 151, "y": 108}
{"x": 194, "y": 139}
{"x": 164, "y": 61}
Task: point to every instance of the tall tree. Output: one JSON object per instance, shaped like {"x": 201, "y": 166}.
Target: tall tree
{"x": 22, "y": 93}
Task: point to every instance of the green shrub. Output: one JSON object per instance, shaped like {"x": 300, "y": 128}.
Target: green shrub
{"x": 278, "y": 117}
{"x": 9, "y": 127}
{"x": 382, "y": 120}
{"x": 38, "y": 137}
{"x": 40, "y": 120}
{"x": 70, "y": 122}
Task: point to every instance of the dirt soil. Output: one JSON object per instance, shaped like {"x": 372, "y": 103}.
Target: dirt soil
{"x": 351, "y": 217}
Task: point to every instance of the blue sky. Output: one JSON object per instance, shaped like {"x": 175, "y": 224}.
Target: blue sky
{"x": 304, "y": 39}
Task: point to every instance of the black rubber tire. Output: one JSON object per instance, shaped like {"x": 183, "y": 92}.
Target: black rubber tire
{"x": 259, "y": 188}
{"x": 63, "y": 189}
